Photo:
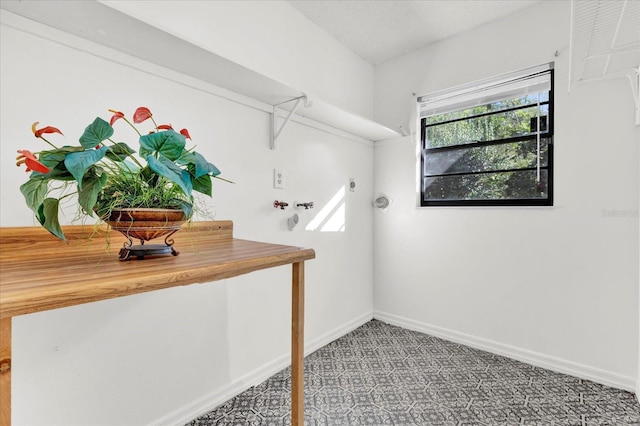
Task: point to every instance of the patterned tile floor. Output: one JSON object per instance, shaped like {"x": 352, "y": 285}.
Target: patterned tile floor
{"x": 385, "y": 375}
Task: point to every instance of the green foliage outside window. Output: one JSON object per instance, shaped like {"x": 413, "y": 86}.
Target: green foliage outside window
{"x": 489, "y": 153}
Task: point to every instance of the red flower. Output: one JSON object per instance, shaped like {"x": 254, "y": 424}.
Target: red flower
{"x": 141, "y": 115}
{"x": 116, "y": 115}
{"x": 185, "y": 133}
{"x": 31, "y": 161}
{"x": 38, "y": 133}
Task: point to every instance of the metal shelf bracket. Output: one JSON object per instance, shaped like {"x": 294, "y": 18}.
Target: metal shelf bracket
{"x": 275, "y": 131}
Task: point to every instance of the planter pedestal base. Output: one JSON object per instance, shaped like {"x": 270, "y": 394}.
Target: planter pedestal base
{"x": 140, "y": 251}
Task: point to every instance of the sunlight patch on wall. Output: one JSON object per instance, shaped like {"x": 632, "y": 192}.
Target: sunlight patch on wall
{"x": 331, "y": 218}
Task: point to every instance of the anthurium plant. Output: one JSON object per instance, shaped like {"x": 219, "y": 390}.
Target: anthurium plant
{"x": 103, "y": 173}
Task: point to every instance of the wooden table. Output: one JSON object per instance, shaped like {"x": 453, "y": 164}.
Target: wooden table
{"x": 38, "y": 273}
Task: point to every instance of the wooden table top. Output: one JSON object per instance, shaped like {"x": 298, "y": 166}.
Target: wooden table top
{"x": 38, "y": 272}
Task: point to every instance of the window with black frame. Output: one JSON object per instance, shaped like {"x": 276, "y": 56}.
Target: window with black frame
{"x": 490, "y": 143}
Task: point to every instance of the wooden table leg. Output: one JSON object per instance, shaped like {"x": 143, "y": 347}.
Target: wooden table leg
{"x": 5, "y": 371}
{"x": 297, "y": 346}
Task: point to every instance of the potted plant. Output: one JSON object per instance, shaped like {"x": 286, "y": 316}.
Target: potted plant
{"x": 112, "y": 180}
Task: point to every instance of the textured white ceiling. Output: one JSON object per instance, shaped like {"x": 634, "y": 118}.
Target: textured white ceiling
{"x": 378, "y": 30}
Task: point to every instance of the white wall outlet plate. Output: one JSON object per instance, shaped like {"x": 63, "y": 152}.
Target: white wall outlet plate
{"x": 278, "y": 179}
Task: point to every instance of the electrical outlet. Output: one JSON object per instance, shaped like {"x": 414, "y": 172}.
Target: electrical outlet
{"x": 278, "y": 179}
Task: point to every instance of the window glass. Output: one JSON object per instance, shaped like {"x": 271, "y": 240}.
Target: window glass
{"x": 499, "y": 152}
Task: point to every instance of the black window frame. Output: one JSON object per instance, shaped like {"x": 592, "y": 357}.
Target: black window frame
{"x": 548, "y": 134}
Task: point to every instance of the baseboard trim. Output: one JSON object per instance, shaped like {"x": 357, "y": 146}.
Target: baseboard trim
{"x": 534, "y": 358}
{"x": 212, "y": 400}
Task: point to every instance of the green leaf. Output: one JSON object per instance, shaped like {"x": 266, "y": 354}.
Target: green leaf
{"x": 203, "y": 184}
{"x": 60, "y": 172}
{"x": 148, "y": 174}
{"x": 78, "y": 162}
{"x": 169, "y": 144}
{"x": 54, "y": 157}
{"x": 119, "y": 152}
{"x": 170, "y": 170}
{"x": 203, "y": 166}
{"x": 91, "y": 187}
{"x": 95, "y": 133}
{"x": 186, "y": 158}
{"x": 48, "y": 217}
{"x": 34, "y": 191}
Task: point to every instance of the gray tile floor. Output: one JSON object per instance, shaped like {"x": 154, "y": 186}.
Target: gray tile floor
{"x": 385, "y": 375}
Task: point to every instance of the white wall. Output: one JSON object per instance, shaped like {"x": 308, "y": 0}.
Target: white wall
{"x": 158, "y": 358}
{"x": 270, "y": 37}
{"x": 556, "y": 286}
